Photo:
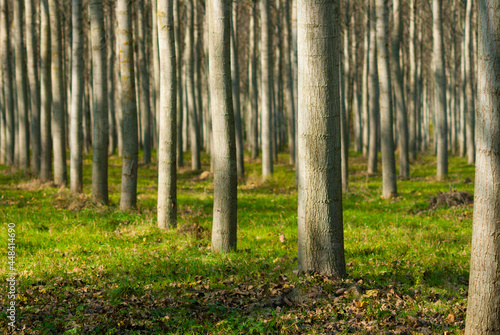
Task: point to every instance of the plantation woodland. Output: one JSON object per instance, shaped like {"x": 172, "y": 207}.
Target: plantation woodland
{"x": 250, "y": 167}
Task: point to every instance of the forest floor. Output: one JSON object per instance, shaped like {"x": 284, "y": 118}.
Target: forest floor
{"x": 92, "y": 269}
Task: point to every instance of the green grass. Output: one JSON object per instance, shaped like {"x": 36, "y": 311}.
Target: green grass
{"x": 86, "y": 268}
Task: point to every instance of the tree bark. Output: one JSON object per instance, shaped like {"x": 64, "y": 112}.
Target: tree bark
{"x": 253, "y": 89}
{"x": 440, "y": 89}
{"x": 225, "y": 215}
{"x": 179, "y": 100}
{"x": 45, "y": 93}
{"x": 76, "y": 132}
{"x": 469, "y": 82}
{"x": 7, "y": 83}
{"x": 266, "y": 89}
{"x": 34, "y": 84}
{"x": 21, "y": 87}
{"x": 365, "y": 94}
{"x": 484, "y": 289}
{"x": 320, "y": 227}
{"x": 144, "y": 99}
{"x": 112, "y": 108}
{"x": 389, "y": 187}
{"x": 373, "y": 93}
{"x": 404, "y": 164}
{"x": 58, "y": 115}
{"x": 129, "y": 106}
{"x": 100, "y": 128}
{"x": 289, "y": 97}
{"x": 167, "y": 190}
{"x": 194, "y": 132}
{"x": 412, "y": 104}
{"x": 344, "y": 103}
{"x": 235, "y": 75}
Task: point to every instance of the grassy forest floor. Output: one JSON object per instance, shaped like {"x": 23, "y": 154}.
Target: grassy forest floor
{"x": 89, "y": 269}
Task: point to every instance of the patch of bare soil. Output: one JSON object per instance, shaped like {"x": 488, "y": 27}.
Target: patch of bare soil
{"x": 451, "y": 199}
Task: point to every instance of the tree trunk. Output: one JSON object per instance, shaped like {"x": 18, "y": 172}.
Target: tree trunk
{"x": 225, "y": 215}
{"x": 404, "y": 164}
{"x": 365, "y": 94}
{"x": 320, "y": 227}
{"x": 45, "y": 93}
{"x": 156, "y": 66}
{"x": 144, "y": 101}
{"x": 179, "y": 100}
{"x": 289, "y": 98}
{"x": 21, "y": 87}
{"x": 373, "y": 93}
{"x": 118, "y": 87}
{"x": 7, "y": 82}
{"x": 129, "y": 106}
{"x": 484, "y": 290}
{"x": 167, "y": 190}
{"x": 235, "y": 74}
{"x": 356, "y": 87}
{"x": 100, "y": 95}
{"x": 253, "y": 95}
{"x": 440, "y": 89}
{"x": 191, "y": 97}
{"x": 110, "y": 45}
{"x": 412, "y": 105}
{"x": 389, "y": 187}
{"x": 76, "y": 132}
{"x": 58, "y": 115}
{"x": 34, "y": 84}
{"x": 469, "y": 82}
{"x": 266, "y": 89}
{"x": 344, "y": 104}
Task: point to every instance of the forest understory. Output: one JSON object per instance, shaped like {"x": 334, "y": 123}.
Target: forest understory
{"x": 93, "y": 269}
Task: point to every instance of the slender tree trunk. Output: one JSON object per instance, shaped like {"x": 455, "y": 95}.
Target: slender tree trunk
{"x": 179, "y": 100}
{"x": 344, "y": 103}
{"x": 7, "y": 82}
{"x": 484, "y": 292}
{"x": 21, "y": 87}
{"x": 45, "y": 93}
{"x": 365, "y": 95}
{"x": 253, "y": 90}
{"x": 225, "y": 216}
{"x": 129, "y": 106}
{"x": 118, "y": 88}
{"x": 76, "y": 132}
{"x": 398, "y": 83}
{"x": 463, "y": 105}
{"x": 266, "y": 89}
{"x": 58, "y": 115}
{"x": 156, "y": 65}
{"x": 373, "y": 93}
{"x": 191, "y": 98}
{"x": 356, "y": 87}
{"x": 320, "y": 232}
{"x": 412, "y": 105}
{"x": 235, "y": 74}
{"x": 288, "y": 76}
{"x": 167, "y": 190}
{"x": 389, "y": 187}
{"x": 440, "y": 89}
{"x": 34, "y": 84}
{"x": 110, "y": 45}
{"x": 144, "y": 99}
{"x": 469, "y": 82}
{"x": 100, "y": 134}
